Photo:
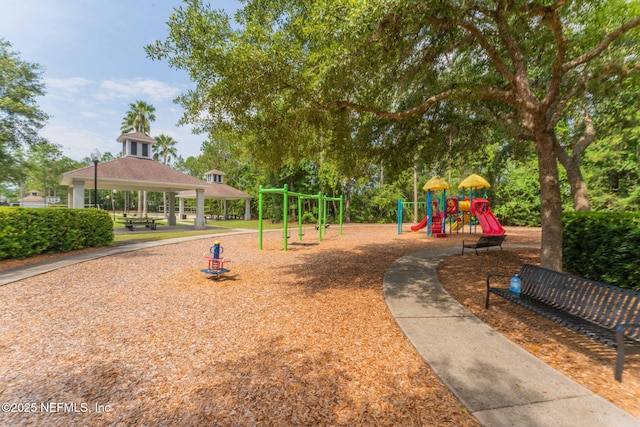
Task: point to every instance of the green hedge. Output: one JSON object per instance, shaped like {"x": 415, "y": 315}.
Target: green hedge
{"x": 603, "y": 247}
{"x": 30, "y": 231}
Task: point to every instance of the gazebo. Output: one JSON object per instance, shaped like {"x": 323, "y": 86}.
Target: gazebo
{"x": 215, "y": 189}
{"x": 136, "y": 170}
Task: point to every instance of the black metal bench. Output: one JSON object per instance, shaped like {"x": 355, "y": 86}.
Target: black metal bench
{"x": 484, "y": 242}
{"x": 130, "y": 223}
{"x": 605, "y": 313}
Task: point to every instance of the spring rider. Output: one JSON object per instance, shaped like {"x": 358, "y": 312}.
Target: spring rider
{"x": 216, "y": 264}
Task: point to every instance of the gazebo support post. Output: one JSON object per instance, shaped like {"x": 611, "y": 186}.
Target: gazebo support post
{"x": 171, "y": 219}
{"x": 247, "y": 210}
{"x": 78, "y": 194}
{"x": 199, "y": 221}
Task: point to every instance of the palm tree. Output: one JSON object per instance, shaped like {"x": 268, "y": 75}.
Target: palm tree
{"x": 164, "y": 149}
{"x": 138, "y": 118}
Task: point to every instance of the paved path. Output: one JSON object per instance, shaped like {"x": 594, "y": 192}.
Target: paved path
{"x": 496, "y": 380}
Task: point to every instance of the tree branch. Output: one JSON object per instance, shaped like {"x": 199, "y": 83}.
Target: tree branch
{"x": 560, "y": 106}
{"x": 553, "y": 88}
{"x": 587, "y": 137}
{"x": 478, "y": 92}
{"x": 635, "y": 22}
{"x": 510, "y": 42}
{"x": 491, "y": 51}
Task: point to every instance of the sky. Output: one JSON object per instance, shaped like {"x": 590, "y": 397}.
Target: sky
{"x": 94, "y": 65}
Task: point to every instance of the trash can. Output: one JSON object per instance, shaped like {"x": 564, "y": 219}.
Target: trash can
{"x": 183, "y": 216}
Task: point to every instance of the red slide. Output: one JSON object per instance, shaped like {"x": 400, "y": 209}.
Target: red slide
{"x": 421, "y": 225}
{"x": 488, "y": 222}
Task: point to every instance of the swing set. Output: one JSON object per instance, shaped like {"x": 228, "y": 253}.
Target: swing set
{"x": 322, "y": 224}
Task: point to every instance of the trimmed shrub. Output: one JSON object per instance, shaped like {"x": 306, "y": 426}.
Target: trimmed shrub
{"x": 29, "y": 231}
{"x": 603, "y": 246}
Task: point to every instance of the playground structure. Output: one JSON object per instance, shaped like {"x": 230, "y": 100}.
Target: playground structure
{"x": 216, "y": 266}
{"x": 459, "y": 211}
{"x": 321, "y": 225}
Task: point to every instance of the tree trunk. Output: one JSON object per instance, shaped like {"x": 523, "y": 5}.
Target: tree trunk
{"x": 415, "y": 188}
{"x": 347, "y": 202}
{"x": 579, "y": 191}
{"x": 571, "y": 164}
{"x": 550, "y": 202}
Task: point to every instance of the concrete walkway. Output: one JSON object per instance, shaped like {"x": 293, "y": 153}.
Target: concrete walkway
{"x": 496, "y": 380}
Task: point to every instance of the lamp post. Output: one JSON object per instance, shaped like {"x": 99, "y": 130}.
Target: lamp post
{"x": 95, "y": 158}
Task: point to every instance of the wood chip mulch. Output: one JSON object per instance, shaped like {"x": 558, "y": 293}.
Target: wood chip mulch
{"x": 301, "y": 337}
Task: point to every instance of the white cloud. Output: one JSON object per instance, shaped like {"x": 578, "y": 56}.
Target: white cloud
{"x": 72, "y": 85}
{"x": 154, "y": 90}
{"x": 78, "y": 143}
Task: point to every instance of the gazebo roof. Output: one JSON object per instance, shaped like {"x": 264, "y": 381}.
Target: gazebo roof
{"x": 215, "y": 172}
{"x": 136, "y": 136}
{"x": 217, "y": 191}
{"x": 131, "y": 173}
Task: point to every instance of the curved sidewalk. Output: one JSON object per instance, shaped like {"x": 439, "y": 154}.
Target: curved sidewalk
{"x": 496, "y": 380}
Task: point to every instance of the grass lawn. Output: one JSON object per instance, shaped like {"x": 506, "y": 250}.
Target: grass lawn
{"x": 161, "y": 235}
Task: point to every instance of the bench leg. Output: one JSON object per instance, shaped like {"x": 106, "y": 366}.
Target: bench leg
{"x": 620, "y": 363}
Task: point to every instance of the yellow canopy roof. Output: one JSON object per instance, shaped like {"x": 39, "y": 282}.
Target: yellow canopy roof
{"x": 436, "y": 183}
{"x": 474, "y": 181}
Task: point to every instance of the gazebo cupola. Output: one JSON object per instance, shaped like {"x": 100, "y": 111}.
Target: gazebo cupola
{"x": 214, "y": 176}
{"x": 136, "y": 145}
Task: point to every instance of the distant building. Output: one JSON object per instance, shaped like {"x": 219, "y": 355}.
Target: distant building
{"x": 33, "y": 200}
{"x": 135, "y": 170}
{"x": 217, "y": 190}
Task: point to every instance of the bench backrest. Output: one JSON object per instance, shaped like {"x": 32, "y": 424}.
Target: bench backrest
{"x": 600, "y": 303}
{"x": 491, "y": 239}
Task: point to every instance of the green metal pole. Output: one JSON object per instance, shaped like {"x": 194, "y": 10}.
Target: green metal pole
{"x": 399, "y": 216}
{"x": 285, "y": 216}
{"x": 320, "y": 217}
{"x": 300, "y": 217}
{"x": 260, "y": 218}
{"x": 341, "y": 215}
{"x": 324, "y": 210}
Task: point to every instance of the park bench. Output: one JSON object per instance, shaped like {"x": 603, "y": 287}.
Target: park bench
{"x": 484, "y": 242}
{"x": 130, "y": 223}
{"x": 605, "y": 313}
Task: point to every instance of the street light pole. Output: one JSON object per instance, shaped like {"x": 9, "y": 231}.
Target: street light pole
{"x": 95, "y": 158}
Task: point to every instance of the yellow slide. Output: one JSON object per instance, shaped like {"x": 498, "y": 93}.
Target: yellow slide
{"x": 458, "y": 224}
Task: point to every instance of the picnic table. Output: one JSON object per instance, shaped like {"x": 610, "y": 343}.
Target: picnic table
{"x": 130, "y": 223}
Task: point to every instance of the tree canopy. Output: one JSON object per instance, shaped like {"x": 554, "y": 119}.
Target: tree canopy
{"x": 20, "y": 115}
{"x": 374, "y": 78}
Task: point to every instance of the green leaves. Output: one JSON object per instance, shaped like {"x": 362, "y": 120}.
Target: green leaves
{"x": 20, "y": 116}
{"x": 603, "y": 247}
{"x": 25, "y": 232}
